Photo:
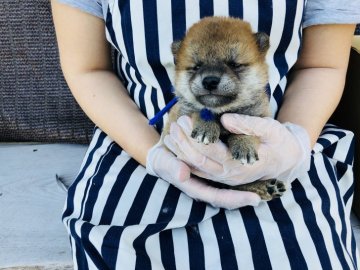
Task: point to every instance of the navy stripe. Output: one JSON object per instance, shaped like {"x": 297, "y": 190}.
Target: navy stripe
{"x": 236, "y": 8}
{"x": 127, "y": 31}
{"x": 91, "y": 178}
{"x": 142, "y": 100}
{"x": 97, "y": 182}
{"x": 325, "y": 207}
{"x": 329, "y": 167}
{"x": 110, "y": 246}
{"x": 167, "y": 247}
{"x": 152, "y": 47}
{"x": 141, "y": 93}
{"x": 225, "y": 243}
{"x": 265, "y": 10}
{"x": 117, "y": 190}
{"x": 133, "y": 85}
{"x": 118, "y": 68}
{"x": 260, "y": 256}
{"x": 348, "y": 194}
{"x": 287, "y": 232}
{"x": 351, "y": 153}
{"x": 178, "y": 14}
{"x": 71, "y": 192}
{"x": 206, "y": 8}
{"x": 330, "y": 130}
{"x": 309, "y": 218}
{"x": 109, "y": 27}
{"x": 197, "y": 212}
{"x": 195, "y": 248}
{"x": 279, "y": 55}
{"x": 341, "y": 169}
{"x": 160, "y": 122}
{"x": 166, "y": 214}
{"x": 278, "y": 95}
{"x": 91, "y": 251}
{"x": 81, "y": 260}
{"x": 141, "y": 199}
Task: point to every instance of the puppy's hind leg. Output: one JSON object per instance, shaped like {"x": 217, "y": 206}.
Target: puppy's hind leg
{"x": 266, "y": 189}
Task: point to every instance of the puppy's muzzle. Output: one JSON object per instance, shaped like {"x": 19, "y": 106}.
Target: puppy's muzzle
{"x": 211, "y": 83}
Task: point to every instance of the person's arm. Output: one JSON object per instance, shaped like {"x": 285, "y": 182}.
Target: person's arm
{"x": 318, "y": 78}
{"x": 86, "y": 64}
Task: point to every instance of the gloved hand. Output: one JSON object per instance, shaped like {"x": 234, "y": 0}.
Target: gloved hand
{"x": 284, "y": 152}
{"x": 162, "y": 163}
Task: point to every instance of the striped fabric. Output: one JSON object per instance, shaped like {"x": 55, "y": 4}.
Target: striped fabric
{"x": 119, "y": 217}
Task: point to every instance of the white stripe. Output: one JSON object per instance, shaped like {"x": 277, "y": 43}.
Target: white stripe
{"x": 275, "y": 246}
{"x": 342, "y": 148}
{"x": 116, "y": 19}
{"x": 221, "y": 8}
{"x": 105, "y": 190}
{"x": 73, "y": 249}
{"x": 165, "y": 41}
{"x": 126, "y": 258}
{"x": 92, "y": 177}
{"x": 334, "y": 212}
{"x": 302, "y": 233}
{"x": 211, "y": 247}
{"x": 137, "y": 20}
{"x": 127, "y": 78}
{"x": 251, "y": 13}
{"x": 96, "y": 236}
{"x": 182, "y": 212}
{"x": 181, "y": 249}
{"x": 155, "y": 202}
{"x": 292, "y": 50}
{"x": 277, "y": 27}
{"x": 137, "y": 87}
{"x": 192, "y": 8}
{"x": 240, "y": 239}
{"x": 165, "y": 36}
{"x": 91, "y": 146}
{"x": 150, "y": 112}
{"x": 153, "y": 250}
{"x": 78, "y": 225}
{"x": 128, "y": 196}
{"x": 330, "y": 137}
{"x": 90, "y": 170}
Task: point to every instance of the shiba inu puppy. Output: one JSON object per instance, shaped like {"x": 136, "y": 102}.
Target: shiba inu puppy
{"x": 220, "y": 68}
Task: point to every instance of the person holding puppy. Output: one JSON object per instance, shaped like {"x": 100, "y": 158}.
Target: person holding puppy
{"x": 119, "y": 216}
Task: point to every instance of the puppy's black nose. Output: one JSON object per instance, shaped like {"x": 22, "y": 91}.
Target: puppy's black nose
{"x": 211, "y": 82}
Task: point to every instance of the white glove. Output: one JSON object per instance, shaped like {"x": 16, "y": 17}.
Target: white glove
{"x": 284, "y": 152}
{"x": 162, "y": 163}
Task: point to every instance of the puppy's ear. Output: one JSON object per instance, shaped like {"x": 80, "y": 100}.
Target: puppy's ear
{"x": 175, "y": 46}
{"x": 262, "y": 40}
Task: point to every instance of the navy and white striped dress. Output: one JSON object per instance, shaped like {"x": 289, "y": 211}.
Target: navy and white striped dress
{"x": 119, "y": 217}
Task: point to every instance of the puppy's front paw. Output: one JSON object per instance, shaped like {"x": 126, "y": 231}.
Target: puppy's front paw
{"x": 206, "y": 132}
{"x": 244, "y": 148}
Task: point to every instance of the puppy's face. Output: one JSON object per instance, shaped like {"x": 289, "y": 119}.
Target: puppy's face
{"x": 220, "y": 64}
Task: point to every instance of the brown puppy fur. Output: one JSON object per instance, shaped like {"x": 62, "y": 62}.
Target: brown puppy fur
{"x": 220, "y": 66}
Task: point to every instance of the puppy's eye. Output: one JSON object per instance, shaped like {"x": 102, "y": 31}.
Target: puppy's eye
{"x": 235, "y": 65}
{"x": 197, "y": 67}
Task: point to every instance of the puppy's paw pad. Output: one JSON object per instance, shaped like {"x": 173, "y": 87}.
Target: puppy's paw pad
{"x": 275, "y": 188}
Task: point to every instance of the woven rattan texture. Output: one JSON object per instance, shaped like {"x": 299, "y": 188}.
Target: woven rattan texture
{"x": 35, "y": 102}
